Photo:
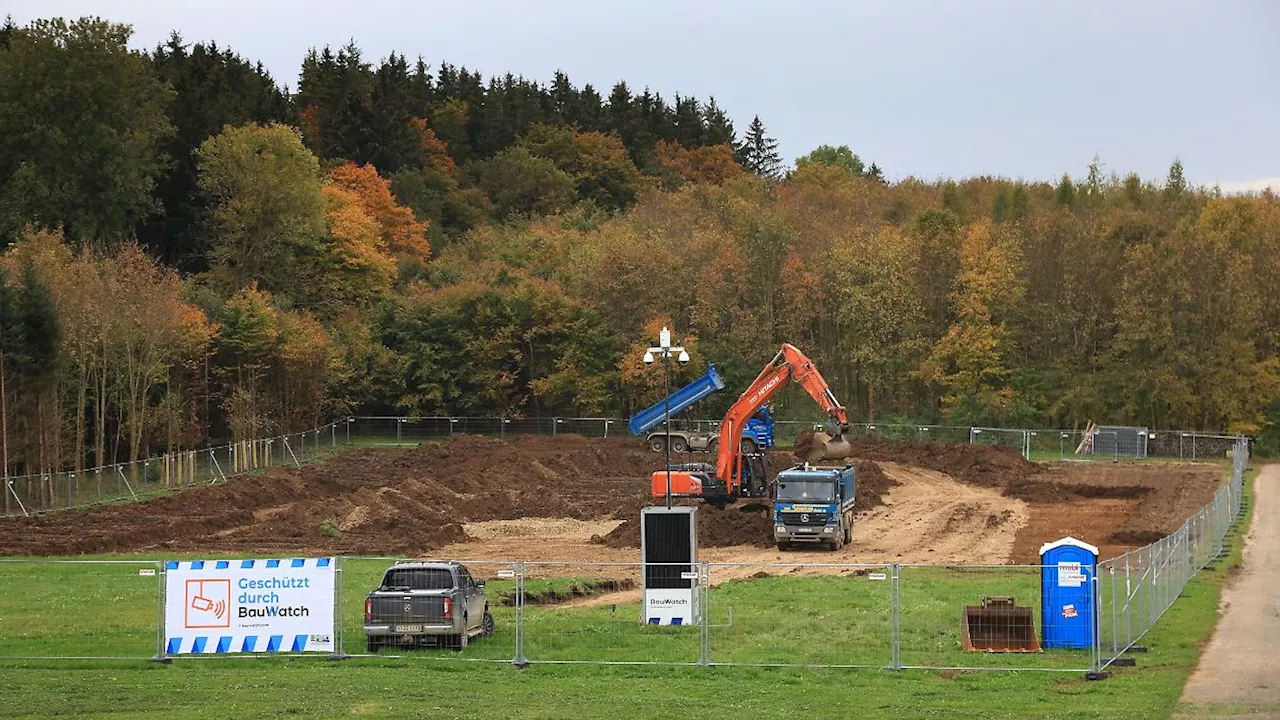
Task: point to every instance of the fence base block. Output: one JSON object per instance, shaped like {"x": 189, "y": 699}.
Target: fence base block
{"x": 1124, "y": 662}
{"x": 1137, "y": 649}
{"x": 162, "y": 660}
{"x": 1097, "y": 675}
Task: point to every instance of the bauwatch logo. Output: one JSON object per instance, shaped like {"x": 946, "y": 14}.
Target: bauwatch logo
{"x": 669, "y": 601}
{"x": 208, "y": 604}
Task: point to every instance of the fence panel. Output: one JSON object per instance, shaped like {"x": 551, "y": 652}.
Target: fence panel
{"x": 933, "y": 602}
{"x": 592, "y": 613}
{"x": 106, "y": 609}
{"x": 801, "y": 614}
{"x": 358, "y": 576}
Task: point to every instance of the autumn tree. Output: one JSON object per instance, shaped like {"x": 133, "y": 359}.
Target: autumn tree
{"x": 708, "y": 164}
{"x": 970, "y": 362}
{"x": 841, "y": 157}
{"x": 521, "y": 183}
{"x": 597, "y": 163}
{"x": 266, "y": 218}
{"x": 401, "y": 234}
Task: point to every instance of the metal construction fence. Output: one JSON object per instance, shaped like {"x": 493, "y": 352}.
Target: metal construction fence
{"x": 31, "y": 494}
{"x": 801, "y": 614}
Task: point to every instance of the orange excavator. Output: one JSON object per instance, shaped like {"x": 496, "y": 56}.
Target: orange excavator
{"x": 737, "y": 474}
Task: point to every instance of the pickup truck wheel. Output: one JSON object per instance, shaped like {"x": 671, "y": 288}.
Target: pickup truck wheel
{"x": 678, "y": 445}
{"x": 657, "y": 445}
{"x": 459, "y": 642}
{"x": 373, "y": 645}
{"x": 486, "y": 625}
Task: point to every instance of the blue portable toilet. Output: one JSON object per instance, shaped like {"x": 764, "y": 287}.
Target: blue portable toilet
{"x": 1068, "y": 594}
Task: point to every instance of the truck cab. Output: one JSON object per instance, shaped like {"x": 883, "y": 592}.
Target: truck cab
{"x": 814, "y": 505}
{"x": 757, "y": 435}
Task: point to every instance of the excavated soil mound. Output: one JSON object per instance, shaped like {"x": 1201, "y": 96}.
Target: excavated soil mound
{"x": 365, "y": 501}
{"x": 740, "y": 524}
{"x": 981, "y": 465}
{"x": 749, "y": 523}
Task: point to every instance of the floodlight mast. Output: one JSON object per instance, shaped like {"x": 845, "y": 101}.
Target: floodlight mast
{"x": 665, "y": 349}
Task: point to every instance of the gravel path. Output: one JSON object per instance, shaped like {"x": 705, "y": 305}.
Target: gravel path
{"x": 1239, "y": 672}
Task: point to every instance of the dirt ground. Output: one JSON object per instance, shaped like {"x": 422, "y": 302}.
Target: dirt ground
{"x": 570, "y": 498}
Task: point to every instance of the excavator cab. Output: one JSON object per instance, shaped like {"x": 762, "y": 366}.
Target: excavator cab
{"x": 755, "y": 475}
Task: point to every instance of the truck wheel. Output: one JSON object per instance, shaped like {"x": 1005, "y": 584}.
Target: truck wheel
{"x": 678, "y": 445}
{"x": 848, "y": 534}
{"x": 657, "y": 444}
{"x": 373, "y": 645}
{"x": 747, "y": 446}
{"x": 711, "y": 446}
{"x": 459, "y": 642}
{"x": 486, "y": 625}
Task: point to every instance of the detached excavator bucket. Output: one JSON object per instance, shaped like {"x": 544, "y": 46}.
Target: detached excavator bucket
{"x": 999, "y": 625}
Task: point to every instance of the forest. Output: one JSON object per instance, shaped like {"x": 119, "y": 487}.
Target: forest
{"x": 191, "y": 252}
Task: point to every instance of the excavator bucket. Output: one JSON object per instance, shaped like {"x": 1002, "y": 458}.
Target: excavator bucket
{"x": 813, "y": 446}
{"x": 999, "y": 625}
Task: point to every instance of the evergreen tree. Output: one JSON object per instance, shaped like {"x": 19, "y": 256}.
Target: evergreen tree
{"x": 1176, "y": 183}
{"x": 719, "y": 128}
{"x": 689, "y": 128}
{"x": 876, "y": 174}
{"x": 6, "y": 31}
{"x": 81, "y": 126}
{"x": 212, "y": 88}
{"x": 758, "y": 152}
{"x": 1065, "y": 194}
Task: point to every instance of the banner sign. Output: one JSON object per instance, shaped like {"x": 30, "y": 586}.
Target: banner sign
{"x": 249, "y": 606}
{"x": 670, "y": 606}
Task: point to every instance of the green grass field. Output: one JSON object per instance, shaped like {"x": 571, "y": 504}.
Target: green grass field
{"x": 96, "y": 609}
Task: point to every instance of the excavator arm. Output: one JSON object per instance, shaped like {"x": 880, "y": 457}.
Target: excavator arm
{"x": 734, "y": 475}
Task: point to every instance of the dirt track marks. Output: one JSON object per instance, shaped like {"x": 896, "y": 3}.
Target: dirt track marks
{"x": 932, "y": 518}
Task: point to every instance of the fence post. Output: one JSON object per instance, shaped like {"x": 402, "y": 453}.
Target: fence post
{"x": 704, "y": 589}
{"x": 161, "y": 598}
{"x": 895, "y": 616}
{"x": 519, "y": 660}
{"x": 339, "y": 652}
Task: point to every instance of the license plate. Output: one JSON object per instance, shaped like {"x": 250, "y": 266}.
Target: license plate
{"x": 808, "y": 530}
{"x": 407, "y": 628}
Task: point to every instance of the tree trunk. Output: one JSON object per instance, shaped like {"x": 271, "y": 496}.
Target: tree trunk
{"x": 100, "y": 413}
{"x": 4, "y": 437}
{"x": 82, "y": 397}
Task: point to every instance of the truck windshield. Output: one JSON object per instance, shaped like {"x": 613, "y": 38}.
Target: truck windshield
{"x": 418, "y": 579}
{"x": 805, "y": 491}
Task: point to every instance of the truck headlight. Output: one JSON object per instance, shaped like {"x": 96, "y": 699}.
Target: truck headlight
{"x": 780, "y": 529}
{"x": 828, "y": 529}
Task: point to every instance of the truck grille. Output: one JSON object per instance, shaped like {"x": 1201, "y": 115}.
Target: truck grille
{"x": 428, "y": 610}
{"x": 797, "y": 518}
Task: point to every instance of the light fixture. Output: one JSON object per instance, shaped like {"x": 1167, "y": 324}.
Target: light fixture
{"x": 648, "y": 358}
{"x": 683, "y": 357}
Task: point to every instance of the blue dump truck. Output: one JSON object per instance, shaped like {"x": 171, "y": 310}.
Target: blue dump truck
{"x": 814, "y": 505}
{"x": 757, "y": 435}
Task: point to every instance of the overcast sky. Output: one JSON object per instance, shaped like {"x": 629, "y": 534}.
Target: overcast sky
{"x": 1016, "y": 88}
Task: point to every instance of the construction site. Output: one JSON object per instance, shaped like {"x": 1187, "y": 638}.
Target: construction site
{"x": 574, "y": 498}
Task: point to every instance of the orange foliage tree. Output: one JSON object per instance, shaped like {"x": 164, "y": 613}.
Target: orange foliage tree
{"x": 403, "y": 234}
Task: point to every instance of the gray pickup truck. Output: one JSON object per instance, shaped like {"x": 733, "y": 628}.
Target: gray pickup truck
{"x": 426, "y": 603}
